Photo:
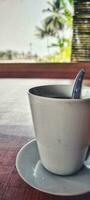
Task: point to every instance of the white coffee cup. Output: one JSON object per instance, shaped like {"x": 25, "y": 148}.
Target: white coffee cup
{"x": 62, "y": 126}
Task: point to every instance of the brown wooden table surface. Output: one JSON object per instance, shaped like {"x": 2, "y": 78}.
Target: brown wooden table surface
{"x": 12, "y": 187}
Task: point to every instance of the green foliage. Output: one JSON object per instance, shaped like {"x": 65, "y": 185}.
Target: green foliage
{"x": 63, "y": 56}
{"x": 59, "y": 17}
{"x": 10, "y": 55}
{"x": 68, "y": 10}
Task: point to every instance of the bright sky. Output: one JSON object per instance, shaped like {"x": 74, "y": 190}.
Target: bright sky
{"x": 18, "y": 19}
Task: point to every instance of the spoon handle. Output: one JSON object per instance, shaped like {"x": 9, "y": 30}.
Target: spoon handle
{"x": 78, "y": 84}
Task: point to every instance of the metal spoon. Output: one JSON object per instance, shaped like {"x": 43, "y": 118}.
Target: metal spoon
{"x": 77, "y": 86}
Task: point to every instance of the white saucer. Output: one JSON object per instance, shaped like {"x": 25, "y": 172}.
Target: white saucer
{"x": 32, "y": 172}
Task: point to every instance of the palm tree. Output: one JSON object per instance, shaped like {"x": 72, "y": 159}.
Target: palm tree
{"x": 81, "y": 31}
{"x": 44, "y": 32}
{"x": 58, "y": 16}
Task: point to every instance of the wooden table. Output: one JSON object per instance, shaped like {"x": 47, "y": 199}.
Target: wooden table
{"x": 12, "y": 187}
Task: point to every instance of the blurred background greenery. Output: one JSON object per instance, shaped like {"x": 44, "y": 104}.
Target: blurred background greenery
{"x": 58, "y": 26}
{"x": 64, "y": 31}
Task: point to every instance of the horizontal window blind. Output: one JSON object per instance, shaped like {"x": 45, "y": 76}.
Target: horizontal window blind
{"x": 81, "y": 31}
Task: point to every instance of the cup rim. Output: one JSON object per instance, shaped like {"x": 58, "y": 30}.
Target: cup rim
{"x": 31, "y": 92}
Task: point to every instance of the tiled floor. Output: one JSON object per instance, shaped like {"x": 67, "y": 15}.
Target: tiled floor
{"x": 15, "y": 114}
